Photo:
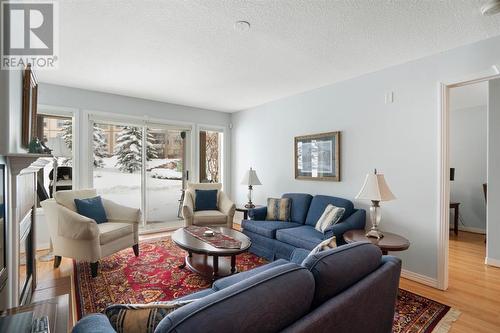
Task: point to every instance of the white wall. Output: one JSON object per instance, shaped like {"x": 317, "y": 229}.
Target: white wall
{"x": 493, "y": 209}
{"x": 399, "y": 139}
{"x": 468, "y": 155}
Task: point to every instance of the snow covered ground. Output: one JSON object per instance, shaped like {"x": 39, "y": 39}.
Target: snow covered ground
{"x": 125, "y": 188}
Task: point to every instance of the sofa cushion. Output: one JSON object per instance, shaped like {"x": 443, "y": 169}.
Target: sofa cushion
{"x": 362, "y": 258}
{"x": 264, "y": 299}
{"x": 319, "y": 203}
{"x": 93, "y": 323}
{"x": 278, "y": 209}
{"x": 205, "y": 200}
{"x": 113, "y": 230}
{"x": 208, "y": 217}
{"x": 232, "y": 279}
{"x": 305, "y": 237}
{"x": 300, "y": 206}
{"x": 92, "y": 208}
{"x": 267, "y": 228}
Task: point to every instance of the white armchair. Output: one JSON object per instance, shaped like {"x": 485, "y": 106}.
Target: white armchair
{"x": 221, "y": 217}
{"x": 81, "y": 238}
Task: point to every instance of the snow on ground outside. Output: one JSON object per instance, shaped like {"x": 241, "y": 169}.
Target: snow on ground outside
{"x": 125, "y": 188}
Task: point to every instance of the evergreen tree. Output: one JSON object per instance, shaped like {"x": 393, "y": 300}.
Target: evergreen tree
{"x": 99, "y": 146}
{"x": 67, "y": 133}
{"x": 129, "y": 148}
{"x": 99, "y": 141}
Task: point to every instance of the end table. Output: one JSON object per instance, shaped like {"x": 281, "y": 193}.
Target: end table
{"x": 390, "y": 241}
{"x": 244, "y": 210}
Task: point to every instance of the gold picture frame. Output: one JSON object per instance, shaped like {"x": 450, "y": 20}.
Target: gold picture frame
{"x": 30, "y": 102}
{"x": 317, "y": 157}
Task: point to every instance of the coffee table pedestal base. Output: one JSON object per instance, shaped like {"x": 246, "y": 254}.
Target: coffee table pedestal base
{"x": 211, "y": 267}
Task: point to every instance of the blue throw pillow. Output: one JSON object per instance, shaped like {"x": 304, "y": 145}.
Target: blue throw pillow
{"x": 205, "y": 200}
{"x": 91, "y": 208}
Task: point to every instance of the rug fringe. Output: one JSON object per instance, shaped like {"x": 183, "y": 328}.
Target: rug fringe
{"x": 445, "y": 323}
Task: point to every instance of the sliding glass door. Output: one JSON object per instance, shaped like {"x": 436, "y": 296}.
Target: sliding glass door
{"x": 142, "y": 166}
{"x": 117, "y": 163}
{"x": 164, "y": 174}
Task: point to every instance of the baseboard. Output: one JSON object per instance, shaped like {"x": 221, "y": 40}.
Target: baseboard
{"x": 419, "y": 278}
{"x": 492, "y": 262}
{"x": 472, "y": 229}
{"x": 42, "y": 246}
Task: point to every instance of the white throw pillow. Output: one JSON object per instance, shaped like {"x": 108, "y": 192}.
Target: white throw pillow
{"x": 327, "y": 244}
{"x": 330, "y": 216}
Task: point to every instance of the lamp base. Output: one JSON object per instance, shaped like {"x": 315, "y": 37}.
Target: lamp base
{"x": 375, "y": 233}
{"x": 250, "y": 205}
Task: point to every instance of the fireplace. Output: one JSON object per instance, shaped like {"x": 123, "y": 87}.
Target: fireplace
{"x": 20, "y": 205}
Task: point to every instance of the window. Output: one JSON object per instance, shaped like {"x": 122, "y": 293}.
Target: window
{"x": 211, "y": 156}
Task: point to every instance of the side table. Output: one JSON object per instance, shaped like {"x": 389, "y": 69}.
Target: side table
{"x": 244, "y": 210}
{"x": 390, "y": 241}
{"x": 455, "y": 206}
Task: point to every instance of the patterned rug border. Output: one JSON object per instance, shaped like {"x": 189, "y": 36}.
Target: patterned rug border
{"x": 441, "y": 324}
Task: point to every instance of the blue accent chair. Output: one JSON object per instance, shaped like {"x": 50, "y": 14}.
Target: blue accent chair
{"x": 277, "y": 239}
{"x": 324, "y": 292}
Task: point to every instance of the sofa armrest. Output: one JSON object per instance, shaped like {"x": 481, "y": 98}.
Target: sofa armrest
{"x": 357, "y": 220}
{"x": 75, "y": 226}
{"x": 257, "y": 214}
{"x": 226, "y": 206}
{"x": 93, "y": 323}
{"x": 119, "y": 213}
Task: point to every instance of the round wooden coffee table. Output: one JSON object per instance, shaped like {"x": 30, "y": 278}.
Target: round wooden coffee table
{"x": 207, "y": 260}
{"x": 390, "y": 241}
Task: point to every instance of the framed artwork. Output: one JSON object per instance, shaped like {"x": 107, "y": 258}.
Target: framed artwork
{"x": 317, "y": 157}
{"x": 30, "y": 95}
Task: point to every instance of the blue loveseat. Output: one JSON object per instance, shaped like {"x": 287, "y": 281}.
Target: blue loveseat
{"x": 325, "y": 292}
{"x": 277, "y": 239}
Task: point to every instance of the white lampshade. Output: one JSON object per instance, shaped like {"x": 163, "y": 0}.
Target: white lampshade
{"x": 250, "y": 178}
{"x": 375, "y": 188}
{"x": 59, "y": 147}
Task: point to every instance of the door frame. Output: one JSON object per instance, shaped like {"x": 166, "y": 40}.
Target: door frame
{"x": 444, "y": 169}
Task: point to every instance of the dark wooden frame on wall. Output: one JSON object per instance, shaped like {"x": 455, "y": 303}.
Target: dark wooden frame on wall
{"x": 336, "y": 135}
{"x": 30, "y": 102}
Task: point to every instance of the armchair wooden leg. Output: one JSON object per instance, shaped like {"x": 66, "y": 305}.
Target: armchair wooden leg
{"x": 136, "y": 249}
{"x": 93, "y": 268}
{"x": 57, "y": 261}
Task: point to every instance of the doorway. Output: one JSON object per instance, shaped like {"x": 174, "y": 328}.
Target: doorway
{"x": 143, "y": 166}
{"x": 445, "y": 167}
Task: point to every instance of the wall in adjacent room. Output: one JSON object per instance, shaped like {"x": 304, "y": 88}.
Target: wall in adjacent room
{"x": 400, "y": 139}
{"x": 468, "y": 155}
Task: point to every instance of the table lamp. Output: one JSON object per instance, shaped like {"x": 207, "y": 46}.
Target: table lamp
{"x": 250, "y": 178}
{"x": 375, "y": 189}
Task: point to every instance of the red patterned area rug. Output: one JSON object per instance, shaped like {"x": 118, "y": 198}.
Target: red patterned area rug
{"x": 155, "y": 276}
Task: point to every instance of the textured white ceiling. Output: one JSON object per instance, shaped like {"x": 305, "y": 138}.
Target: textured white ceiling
{"x": 188, "y": 52}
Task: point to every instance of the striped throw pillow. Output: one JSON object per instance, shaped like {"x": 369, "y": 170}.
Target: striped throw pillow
{"x": 140, "y": 318}
{"x": 331, "y": 215}
{"x": 278, "y": 209}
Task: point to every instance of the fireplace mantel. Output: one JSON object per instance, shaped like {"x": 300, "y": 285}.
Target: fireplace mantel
{"x": 25, "y": 163}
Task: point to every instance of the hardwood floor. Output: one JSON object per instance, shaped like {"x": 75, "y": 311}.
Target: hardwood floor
{"x": 474, "y": 288}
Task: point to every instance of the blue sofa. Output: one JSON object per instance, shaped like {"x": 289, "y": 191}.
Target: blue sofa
{"x": 277, "y": 239}
{"x": 352, "y": 288}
